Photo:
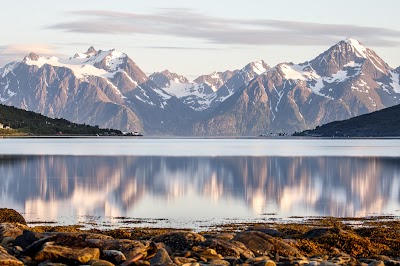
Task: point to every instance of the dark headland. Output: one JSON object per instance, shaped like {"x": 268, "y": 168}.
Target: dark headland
{"x": 383, "y": 123}
{"x": 18, "y": 122}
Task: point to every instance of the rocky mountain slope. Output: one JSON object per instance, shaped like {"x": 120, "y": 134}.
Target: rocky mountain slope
{"x": 108, "y": 89}
{"x": 345, "y": 81}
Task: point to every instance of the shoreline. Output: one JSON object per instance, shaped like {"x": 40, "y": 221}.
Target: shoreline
{"x": 316, "y": 241}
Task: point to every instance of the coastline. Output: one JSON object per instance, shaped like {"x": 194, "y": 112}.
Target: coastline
{"x": 314, "y": 241}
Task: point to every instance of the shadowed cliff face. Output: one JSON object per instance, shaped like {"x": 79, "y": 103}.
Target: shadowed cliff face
{"x": 50, "y": 187}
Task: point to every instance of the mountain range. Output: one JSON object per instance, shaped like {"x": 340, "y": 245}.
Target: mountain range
{"x": 108, "y": 89}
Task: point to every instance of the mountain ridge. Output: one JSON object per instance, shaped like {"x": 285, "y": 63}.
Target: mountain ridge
{"x": 107, "y": 88}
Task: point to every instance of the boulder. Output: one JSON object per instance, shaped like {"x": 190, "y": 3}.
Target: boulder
{"x": 114, "y": 256}
{"x": 183, "y": 260}
{"x": 161, "y": 258}
{"x": 211, "y": 254}
{"x": 180, "y": 241}
{"x": 230, "y": 248}
{"x": 318, "y": 232}
{"x": 68, "y": 255}
{"x": 7, "y": 241}
{"x": 262, "y": 244}
{"x": 60, "y": 239}
{"x": 130, "y": 248}
{"x": 268, "y": 231}
{"x": 50, "y": 263}
{"x": 11, "y": 216}
{"x": 218, "y": 262}
{"x": 7, "y": 259}
{"x": 100, "y": 263}
{"x": 10, "y": 230}
{"x": 27, "y": 238}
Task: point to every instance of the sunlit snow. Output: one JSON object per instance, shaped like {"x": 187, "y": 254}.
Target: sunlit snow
{"x": 365, "y": 53}
{"x": 83, "y": 66}
{"x": 395, "y": 81}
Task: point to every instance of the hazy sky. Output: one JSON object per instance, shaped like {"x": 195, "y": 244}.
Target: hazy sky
{"x": 197, "y": 37}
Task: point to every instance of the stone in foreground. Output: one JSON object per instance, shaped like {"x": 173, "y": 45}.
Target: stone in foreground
{"x": 7, "y": 259}
{"x": 67, "y": 255}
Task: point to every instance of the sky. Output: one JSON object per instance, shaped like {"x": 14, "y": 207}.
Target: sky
{"x": 196, "y": 37}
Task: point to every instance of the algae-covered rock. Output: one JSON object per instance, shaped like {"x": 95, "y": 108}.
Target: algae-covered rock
{"x": 11, "y": 216}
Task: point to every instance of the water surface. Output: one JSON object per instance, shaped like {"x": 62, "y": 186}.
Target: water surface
{"x": 197, "y": 182}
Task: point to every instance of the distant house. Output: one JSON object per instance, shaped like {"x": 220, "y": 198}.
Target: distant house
{"x": 4, "y": 126}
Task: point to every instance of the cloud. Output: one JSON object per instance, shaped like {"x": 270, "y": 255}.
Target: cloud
{"x": 16, "y": 52}
{"x": 188, "y": 24}
{"x": 182, "y": 48}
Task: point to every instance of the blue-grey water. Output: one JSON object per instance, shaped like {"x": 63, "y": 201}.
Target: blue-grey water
{"x": 197, "y": 182}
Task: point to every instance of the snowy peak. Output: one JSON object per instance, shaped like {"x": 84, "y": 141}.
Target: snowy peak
{"x": 357, "y": 47}
{"x": 257, "y": 67}
{"x": 345, "y": 53}
{"x": 108, "y": 60}
{"x": 91, "y": 51}
{"x": 92, "y": 63}
{"x": 216, "y": 79}
{"x": 31, "y": 57}
{"x": 164, "y": 79}
{"x": 175, "y": 77}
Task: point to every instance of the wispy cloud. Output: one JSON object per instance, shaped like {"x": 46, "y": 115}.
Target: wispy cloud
{"x": 182, "y": 48}
{"x": 188, "y": 24}
{"x": 16, "y": 52}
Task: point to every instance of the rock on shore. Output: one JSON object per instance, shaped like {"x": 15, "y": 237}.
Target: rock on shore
{"x": 323, "y": 243}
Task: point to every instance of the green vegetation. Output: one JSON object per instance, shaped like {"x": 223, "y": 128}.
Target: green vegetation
{"x": 383, "y": 123}
{"x": 21, "y": 122}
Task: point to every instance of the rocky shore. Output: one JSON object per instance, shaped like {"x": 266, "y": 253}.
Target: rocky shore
{"x": 324, "y": 241}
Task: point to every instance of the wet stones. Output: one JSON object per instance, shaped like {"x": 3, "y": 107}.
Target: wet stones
{"x": 180, "y": 241}
{"x": 259, "y": 246}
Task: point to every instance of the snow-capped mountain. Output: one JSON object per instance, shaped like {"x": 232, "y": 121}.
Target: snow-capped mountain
{"x": 208, "y": 91}
{"x": 216, "y": 79}
{"x": 108, "y": 89}
{"x": 104, "y": 88}
{"x": 345, "y": 81}
{"x": 239, "y": 79}
{"x": 194, "y": 95}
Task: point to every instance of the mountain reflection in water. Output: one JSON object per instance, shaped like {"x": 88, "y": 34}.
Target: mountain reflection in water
{"x": 53, "y": 187}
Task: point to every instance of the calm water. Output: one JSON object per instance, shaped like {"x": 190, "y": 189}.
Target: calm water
{"x": 197, "y": 182}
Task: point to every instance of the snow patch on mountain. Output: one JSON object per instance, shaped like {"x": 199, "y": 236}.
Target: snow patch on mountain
{"x": 305, "y": 72}
{"x": 366, "y": 53}
{"x": 359, "y": 48}
{"x": 395, "y": 81}
{"x": 8, "y": 68}
{"x": 115, "y": 88}
{"x": 162, "y": 93}
{"x": 260, "y": 67}
{"x": 7, "y": 92}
